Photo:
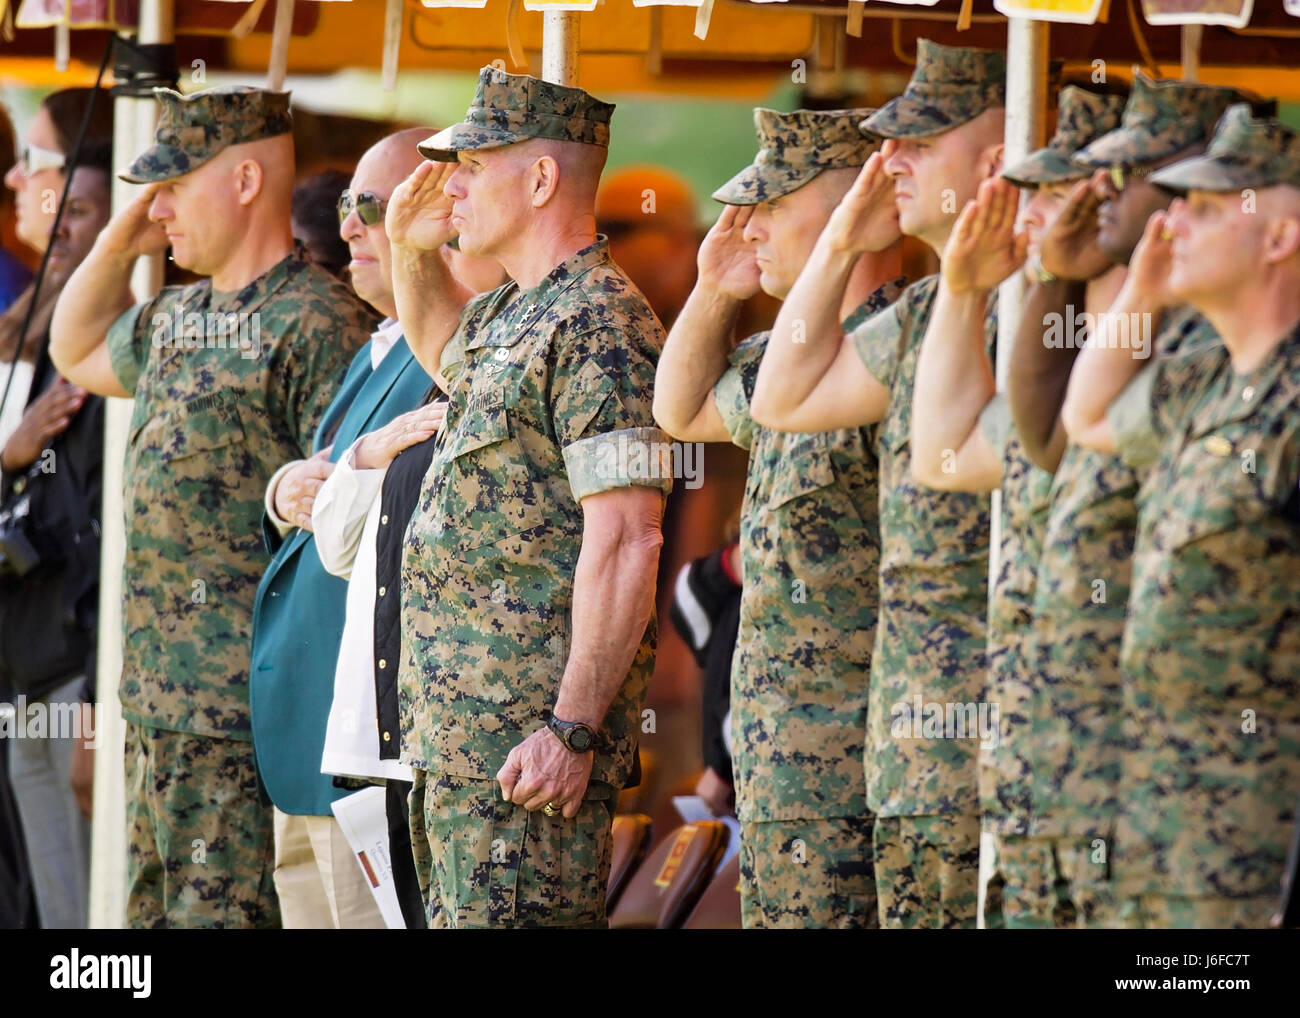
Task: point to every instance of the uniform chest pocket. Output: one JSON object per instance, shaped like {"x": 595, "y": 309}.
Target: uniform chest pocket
{"x": 1216, "y": 486}
{"x": 483, "y": 424}
{"x": 805, "y": 470}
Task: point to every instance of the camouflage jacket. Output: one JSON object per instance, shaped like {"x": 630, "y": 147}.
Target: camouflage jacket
{"x": 810, "y": 544}
{"x": 552, "y": 404}
{"x": 220, "y": 404}
{"x": 1211, "y": 657}
{"x": 1005, "y": 770}
{"x": 1080, "y": 607}
{"x": 930, "y": 654}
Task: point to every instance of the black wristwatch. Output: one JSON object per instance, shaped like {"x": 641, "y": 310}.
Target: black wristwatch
{"x": 576, "y": 736}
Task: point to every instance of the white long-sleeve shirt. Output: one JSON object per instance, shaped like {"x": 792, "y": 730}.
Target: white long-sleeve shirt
{"x": 345, "y": 518}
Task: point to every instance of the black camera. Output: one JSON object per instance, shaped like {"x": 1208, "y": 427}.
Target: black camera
{"x": 18, "y": 553}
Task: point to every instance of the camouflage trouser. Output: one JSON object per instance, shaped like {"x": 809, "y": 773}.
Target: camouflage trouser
{"x": 808, "y": 874}
{"x": 1159, "y": 912}
{"x": 1050, "y": 883}
{"x": 488, "y": 863}
{"x": 927, "y": 871}
{"x": 200, "y": 850}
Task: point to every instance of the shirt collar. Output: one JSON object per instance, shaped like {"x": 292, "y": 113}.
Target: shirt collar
{"x": 255, "y": 294}
{"x": 563, "y": 276}
{"x": 383, "y": 339}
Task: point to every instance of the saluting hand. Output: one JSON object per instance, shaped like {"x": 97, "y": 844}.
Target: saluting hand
{"x": 866, "y": 219}
{"x": 725, "y": 259}
{"x": 984, "y": 248}
{"x": 419, "y": 212}
{"x": 1148, "y": 269}
{"x": 1069, "y": 247}
{"x": 377, "y": 449}
{"x": 131, "y": 233}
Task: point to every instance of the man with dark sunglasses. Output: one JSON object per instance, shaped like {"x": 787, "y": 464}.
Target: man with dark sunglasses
{"x": 299, "y": 613}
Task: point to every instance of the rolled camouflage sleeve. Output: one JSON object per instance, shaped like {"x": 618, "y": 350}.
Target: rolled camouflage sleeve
{"x": 1133, "y": 423}
{"x": 995, "y": 423}
{"x": 128, "y": 344}
{"x": 732, "y": 392}
{"x": 601, "y": 408}
{"x": 879, "y": 340}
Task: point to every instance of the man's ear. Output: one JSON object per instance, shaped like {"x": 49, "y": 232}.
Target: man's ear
{"x": 248, "y": 180}
{"x": 1282, "y": 239}
{"x": 545, "y": 180}
{"x": 990, "y": 162}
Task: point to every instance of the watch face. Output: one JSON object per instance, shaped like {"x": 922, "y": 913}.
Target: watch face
{"x": 580, "y": 739}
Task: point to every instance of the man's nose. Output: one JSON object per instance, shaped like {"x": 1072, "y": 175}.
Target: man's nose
{"x": 352, "y": 227}
{"x": 755, "y": 230}
{"x": 452, "y": 188}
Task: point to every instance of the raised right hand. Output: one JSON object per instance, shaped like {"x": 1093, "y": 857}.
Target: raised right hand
{"x": 866, "y": 219}
{"x": 131, "y": 233}
{"x": 419, "y": 213}
{"x": 726, "y": 260}
{"x": 378, "y": 448}
{"x": 1069, "y": 246}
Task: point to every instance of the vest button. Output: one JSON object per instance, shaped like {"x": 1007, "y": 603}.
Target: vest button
{"x": 384, "y": 520}
{"x": 387, "y": 737}
{"x": 381, "y": 591}
{"x": 383, "y": 663}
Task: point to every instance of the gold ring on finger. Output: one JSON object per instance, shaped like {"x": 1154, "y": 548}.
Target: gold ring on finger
{"x": 550, "y": 809}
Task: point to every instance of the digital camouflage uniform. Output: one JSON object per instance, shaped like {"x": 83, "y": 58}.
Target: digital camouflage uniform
{"x": 214, "y": 417}
{"x": 1026, "y": 889}
{"x": 933, "y": 576}
{"x": 1210, "y": 661}
{"x": 1079, "y": 607}
{"x": 552, "y": 405}
{"x": 810, "y": 546}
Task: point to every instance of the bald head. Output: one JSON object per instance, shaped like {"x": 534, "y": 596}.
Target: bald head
{"x": 389, "y": 161}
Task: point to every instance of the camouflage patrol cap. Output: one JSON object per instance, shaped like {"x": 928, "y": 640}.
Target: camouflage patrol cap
{"x": 1081, "y": 117}
{"x": 194, "y": 128}
{"x": 515, "y": 107}
{"x": 950, "y": 86}
{"x": 793, "y": 148}
{"x": 1160, "y": 118}
{"x": 1245, "y": 152}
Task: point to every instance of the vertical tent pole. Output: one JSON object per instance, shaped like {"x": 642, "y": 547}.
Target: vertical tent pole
{"x": 133, "y": 126}
{"x": 280, "y": 33}
{"x": 560, "y": 47}
{"x": 1027, "y": 43}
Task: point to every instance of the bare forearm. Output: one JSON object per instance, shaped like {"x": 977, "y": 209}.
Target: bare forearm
{"x": 954, "y": 382}
{"x": 429, "y": 303}
{"x": 1039, "y": 372}
{"x": 1103, "y": 370}
{"x": 693, "y": 359}
{"x": 806, "y": 337}
{"x": 613, "y": 597}
{"x": 92, "y": 300}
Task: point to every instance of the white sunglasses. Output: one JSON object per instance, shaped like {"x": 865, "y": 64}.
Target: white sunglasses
{"x": 35, "y": 159}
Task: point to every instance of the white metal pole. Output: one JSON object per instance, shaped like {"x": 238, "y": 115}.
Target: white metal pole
{"x": 1027, "y": 44}
{"x": 560, "y": 47}
{"x": 133, "y": 126}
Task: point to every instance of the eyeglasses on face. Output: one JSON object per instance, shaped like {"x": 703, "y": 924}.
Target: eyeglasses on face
{"x": 35, "y": 159}
{"x": 369, "y": 207}
{"x": 1121, "y": 173}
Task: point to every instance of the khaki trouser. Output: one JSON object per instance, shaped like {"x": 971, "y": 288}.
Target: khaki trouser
{"x": 318, "y": 878}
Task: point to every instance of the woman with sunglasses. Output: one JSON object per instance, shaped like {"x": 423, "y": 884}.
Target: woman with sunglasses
{"x": 51, "y": 446}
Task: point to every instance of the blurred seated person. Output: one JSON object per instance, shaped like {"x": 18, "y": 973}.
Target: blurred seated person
{"x": 649, "y": 214}
{"x": 315, "y": 221}
{"x": 706, "y": 613}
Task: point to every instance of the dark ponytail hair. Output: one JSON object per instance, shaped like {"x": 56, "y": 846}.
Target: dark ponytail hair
{"x": 67, "y": 108}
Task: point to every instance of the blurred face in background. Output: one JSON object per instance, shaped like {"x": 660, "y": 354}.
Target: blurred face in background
{"x": 38, "y": 187}
{"x": 1037, "y": 213}
{"x": 85, "y": 214}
